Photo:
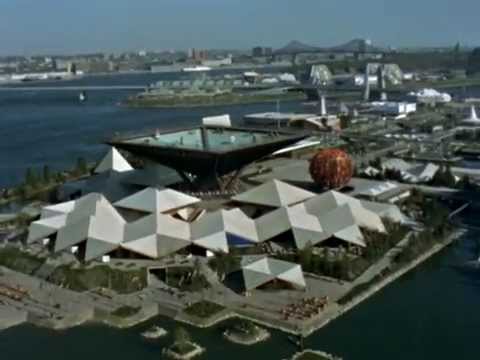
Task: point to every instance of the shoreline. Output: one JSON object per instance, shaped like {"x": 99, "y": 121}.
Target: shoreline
{"x": 376, "y": 287}
{"x": 331, "y": 313}
{"x": 273, "y": 99}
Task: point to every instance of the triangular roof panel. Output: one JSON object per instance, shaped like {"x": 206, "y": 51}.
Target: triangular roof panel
{"x": 154, "y": 200}
{"x": 113, "y": 161}
{"x": 274, "y": 193}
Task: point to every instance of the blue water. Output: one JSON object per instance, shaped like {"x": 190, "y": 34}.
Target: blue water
{"x": 54, "y": 128}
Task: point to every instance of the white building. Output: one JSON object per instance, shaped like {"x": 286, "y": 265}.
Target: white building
{"x": 393, "y": 108}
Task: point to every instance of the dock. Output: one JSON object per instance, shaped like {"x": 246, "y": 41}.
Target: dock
{"x": 274, "y": 118}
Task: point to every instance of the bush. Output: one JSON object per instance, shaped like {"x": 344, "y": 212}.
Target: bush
{"x": 100, "y": 276}
{"x": 203, "y": 309}
{"x": 18, "y": 260}
{"x": 126, "y": 311}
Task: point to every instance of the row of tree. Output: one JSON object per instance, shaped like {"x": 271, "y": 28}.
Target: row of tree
{"x": 35, "y": 181}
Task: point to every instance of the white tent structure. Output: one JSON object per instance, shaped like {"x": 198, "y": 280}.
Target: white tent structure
{"x": 257, "y": 272}
{"x": 93, "y": 224}
{"x": 219, "y": 120}
{"x": 58, "y": 209}
{"x": 156, "y": 236}
{"x": 473, "y": 119}
{"x": 54, "y": 217}
{"x": 338, "y": 204}
{"x": 212, "y": 231}
{"x": 305, "y": 228}
{"x": 113, "y": 161}
{"x": 91, "y": 220}
{"x": 274, "y": 193}
{"x": 152, "y": 200}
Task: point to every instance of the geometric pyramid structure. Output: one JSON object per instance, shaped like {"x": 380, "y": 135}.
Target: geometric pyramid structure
{"x": 305, "y": 228}
{"x": 473, "y": 119}
{"x": 113, "y": 161}
{"x": 156, "y": 236}
{"x": 274, "y": 193}
{"x": 45, "y": 227}
{"x": 152, "y": 200}
{"x": 100, "y": 226}
{"x": 260, "y": 271}
{"x": 90, "y": 219}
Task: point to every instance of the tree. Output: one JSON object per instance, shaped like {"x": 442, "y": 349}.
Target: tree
{"x": 47, "y": 175}
{"x": 345, "y": 121}
{"x": 456, "y": 52}
{"x": 81, "y": 167}
{"x": 305, "y": 257}
{"x": 465, "y": 183}
{"x": 444, "y": 177}
{"x": 473, "y": 65}
{"x": 31, "y": 179}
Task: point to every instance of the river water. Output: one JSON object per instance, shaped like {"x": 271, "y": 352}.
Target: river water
{"x": 54, "y": 128}
{"x": 430, "y": 313}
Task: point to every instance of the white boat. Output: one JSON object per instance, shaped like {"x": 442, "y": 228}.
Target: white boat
{"x": 154, "y": 333}
{"x": 82, "y": 97}
{"x": 197, "y": 69}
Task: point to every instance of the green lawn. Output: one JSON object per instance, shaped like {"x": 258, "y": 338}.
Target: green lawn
{"x": 100, "y": 276}
{"x": 18, "y": 260}
{"x": 126, "y": 311}
{"x": 204, "y": 309}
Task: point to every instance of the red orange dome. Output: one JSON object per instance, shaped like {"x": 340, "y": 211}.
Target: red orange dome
{"x": 331, "y": 168}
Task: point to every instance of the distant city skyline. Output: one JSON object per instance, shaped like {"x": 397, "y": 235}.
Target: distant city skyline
{"x": 64, "y": 27}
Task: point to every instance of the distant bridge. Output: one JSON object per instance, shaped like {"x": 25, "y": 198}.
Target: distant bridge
{"x": 73, "y": 88}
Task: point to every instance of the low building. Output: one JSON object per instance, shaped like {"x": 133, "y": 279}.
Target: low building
{"x": 393, "y": 108}
{"x": 381, "y": 191}
{"x": 411, "y": 173}
{"x": 259, "y": 272}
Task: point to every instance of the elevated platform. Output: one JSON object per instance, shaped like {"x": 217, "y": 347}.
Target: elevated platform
{"x": 206, "y": 153}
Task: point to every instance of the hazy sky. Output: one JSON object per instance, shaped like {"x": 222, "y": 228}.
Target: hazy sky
{"x": 65, "y": 26}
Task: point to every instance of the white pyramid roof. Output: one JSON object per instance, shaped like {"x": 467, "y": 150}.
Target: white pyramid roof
{"x": 45, "y": 227}
{"x": 91, "y": 218}
{"x": 341, "y": 223}
{"x": 156, "y": 246}
{"x": 328, "y": 201}
{"x": 154, "y": 200}
{"x": 216, "y": 242}
{"x": 113, "y": 161}
{"x": 58, "y": 209}
{"x": 263, "y": 270}
{"x": 473, "y": 119}
{"x": 103, "y": 231}
{"x": 305, "y": 227}
{"x": 274, "y": 193}
{"x": 54, "y": 217}
{"x": 156, "y": 235}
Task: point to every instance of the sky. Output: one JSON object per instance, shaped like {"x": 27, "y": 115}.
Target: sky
{"x": 73, "y": 26}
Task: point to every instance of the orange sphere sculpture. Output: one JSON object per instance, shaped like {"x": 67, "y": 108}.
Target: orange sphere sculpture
{"x": 331, "y": 168}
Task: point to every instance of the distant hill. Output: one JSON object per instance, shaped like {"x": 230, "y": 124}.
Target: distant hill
{"x": 295, "y": 46}
{"x": 355, "y": 45}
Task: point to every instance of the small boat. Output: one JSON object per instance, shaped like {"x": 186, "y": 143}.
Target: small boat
{"x": 154, "y": 333}
{"x": 82, "y": 97}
